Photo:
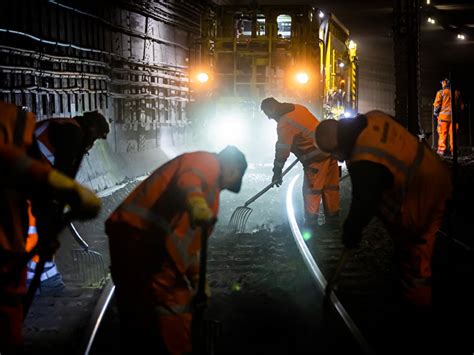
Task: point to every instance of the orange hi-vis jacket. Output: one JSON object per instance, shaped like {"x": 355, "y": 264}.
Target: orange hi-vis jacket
{"x": 19, "y": 174}
{"x": 295, "y": 134}
{"x": 157, "y": 206}
{"x": 442, "y": 105}
{"x": 42, "y": 136}
{"x": 421, "y": 182}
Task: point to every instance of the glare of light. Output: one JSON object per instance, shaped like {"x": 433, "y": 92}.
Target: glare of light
{"x": 347, "y": 114}
{"x": 431, "y": 20}
{"x": 307, "y": 235}
{"x": 228, "y": 129}
{"x": 428, "y": 2}
{"x": 341, "y": 65}
{"x": 236, "y": 287}
{"x": 352, "y": 44}
{"x": 302, "y": 78}
{"x": 461, "y": 36}
{"x": 202, "y": 77}
{"x": 321, "y": 14}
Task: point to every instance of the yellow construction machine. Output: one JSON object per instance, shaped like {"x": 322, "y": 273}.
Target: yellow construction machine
{"x": 295, "y": 53}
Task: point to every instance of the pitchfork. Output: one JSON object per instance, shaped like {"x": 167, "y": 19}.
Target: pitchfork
{"x": 89, "y": 264}
{"x": 239, "y": 218}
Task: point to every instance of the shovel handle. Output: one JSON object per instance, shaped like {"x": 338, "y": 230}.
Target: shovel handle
{"x": 335, "y": 277}
{"x": 77, "y": 237}
{"x": 270, "y": 185}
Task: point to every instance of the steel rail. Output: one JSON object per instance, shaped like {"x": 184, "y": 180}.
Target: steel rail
{"x": 98, "y": 315}
{"x": 316, "y": 273}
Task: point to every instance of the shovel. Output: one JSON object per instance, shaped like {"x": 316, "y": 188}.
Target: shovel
{"x": 239, "y": 218}
{"x": 36, "y": 281}
{"x": 204, "y": 331}
{"x": 332, "y": 283}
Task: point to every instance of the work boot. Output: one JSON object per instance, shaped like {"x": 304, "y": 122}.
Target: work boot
{"x": 53, "y": 286}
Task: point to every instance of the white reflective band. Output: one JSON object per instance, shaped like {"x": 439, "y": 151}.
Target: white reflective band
{"x": 44, "y": 150}
{"x": 296, "y": 125}
{"x": 45, "y": 275}
{"x": 282, "y": 146}
{"x": 166, "y": 310}
{"x": 32, "y": 230}
{"x": 311, "y": 155}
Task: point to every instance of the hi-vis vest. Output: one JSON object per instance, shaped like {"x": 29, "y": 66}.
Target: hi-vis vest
{"x": 421, "y": 181}
{"x": 42, "y": 136}
{"x": 295, "y": 134}
{"x": 442, "y": 105}
{"x": 157, "y": 206}
{"x": 16, "y": 136}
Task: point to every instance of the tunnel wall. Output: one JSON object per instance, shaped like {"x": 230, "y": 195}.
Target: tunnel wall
{"x": 127, "y": 59}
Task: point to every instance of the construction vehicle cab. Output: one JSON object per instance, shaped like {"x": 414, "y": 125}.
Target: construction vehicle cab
{"x": 295, "y": 53}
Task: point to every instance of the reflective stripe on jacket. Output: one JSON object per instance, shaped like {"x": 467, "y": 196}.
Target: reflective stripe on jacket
{"x": 157, "y": 205}
{"x": 421, "y": 181}
{"x": 295, "y": 134}
{"x": 42, "y": 136}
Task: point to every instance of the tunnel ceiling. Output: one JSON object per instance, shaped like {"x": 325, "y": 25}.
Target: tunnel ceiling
{"x": 370, "y": 23}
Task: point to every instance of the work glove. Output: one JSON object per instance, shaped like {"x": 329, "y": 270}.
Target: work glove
{"x": 351, "y": 240}
{"x": 200, "y": 213}
{"x": 83, "y": 203}
{"x": 277, "y": 178}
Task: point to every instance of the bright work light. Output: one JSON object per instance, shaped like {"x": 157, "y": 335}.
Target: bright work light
{"x": 302, "y": 78}
{"x": 202, "y": 77}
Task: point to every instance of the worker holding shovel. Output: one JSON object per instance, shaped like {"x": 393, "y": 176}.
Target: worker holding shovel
{"x": 397, "y": 178}
{"x": 155, "y": 239}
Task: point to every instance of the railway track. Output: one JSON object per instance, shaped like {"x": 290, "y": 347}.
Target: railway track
{"x": 260, "y": 281}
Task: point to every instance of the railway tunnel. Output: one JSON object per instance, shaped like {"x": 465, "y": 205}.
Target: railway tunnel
{"x": 178, "y": 76}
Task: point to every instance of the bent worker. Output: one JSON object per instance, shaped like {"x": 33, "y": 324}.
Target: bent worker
{"x": 23, "y": 178}
{"x": 154, "y": 240}
{"x": 62, "y": 142}
{"x": 399, "y": 179}
{"x": 295, "y": 128}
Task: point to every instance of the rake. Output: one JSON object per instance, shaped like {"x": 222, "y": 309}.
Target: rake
{"x": 89, "y": 264}
{"x": 239, "y": 218}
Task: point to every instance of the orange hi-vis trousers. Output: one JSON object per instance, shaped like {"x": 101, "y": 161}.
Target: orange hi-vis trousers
{"x": 321, "y": 182}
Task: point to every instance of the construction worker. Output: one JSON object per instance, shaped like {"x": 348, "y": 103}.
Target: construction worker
{"x": 154, "y": 240}
{"x": 442, "y": 113}
{"x": 62, "y": 143}
{"x": 295, "y": 128}
{"x": 23, "y": 178}
{"x": 397, "y": 178}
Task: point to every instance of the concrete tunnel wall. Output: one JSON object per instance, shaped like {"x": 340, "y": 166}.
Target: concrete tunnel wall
{"x": 109, "y": 164}
{"x": 127, "y": 59}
